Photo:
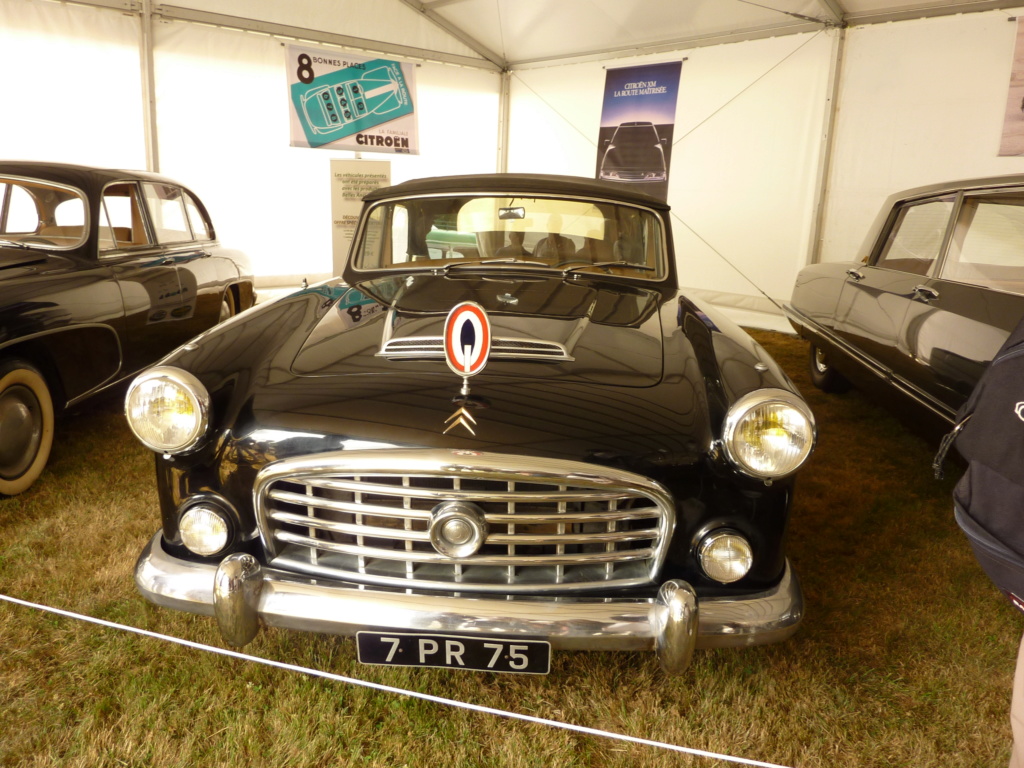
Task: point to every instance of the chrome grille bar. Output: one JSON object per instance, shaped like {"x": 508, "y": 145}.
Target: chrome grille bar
{"x": 427, "y": 557}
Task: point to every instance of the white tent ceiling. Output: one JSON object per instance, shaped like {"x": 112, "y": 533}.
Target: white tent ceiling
{"x": 514, "y": 33}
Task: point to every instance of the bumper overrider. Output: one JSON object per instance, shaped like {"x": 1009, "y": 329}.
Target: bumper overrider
{"x": 242, "y": 595}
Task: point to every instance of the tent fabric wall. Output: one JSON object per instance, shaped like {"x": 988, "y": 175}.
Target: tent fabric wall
{"x": 223, "y": 128}
{"x": 918, "y": 101}
{"x": 222, "y": 123}
{"x": 746, "y": 157}
{"x": 72, "y": 86}
{"x": 921, "y": 102}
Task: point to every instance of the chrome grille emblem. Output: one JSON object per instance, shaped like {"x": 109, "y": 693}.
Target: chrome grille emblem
{"x": 457, "y": 529}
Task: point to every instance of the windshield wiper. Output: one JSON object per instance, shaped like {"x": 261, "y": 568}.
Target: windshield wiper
{"x": 606, "y": 264}
{"x": 14, "y": 244}
{"x": 488, "y": 262}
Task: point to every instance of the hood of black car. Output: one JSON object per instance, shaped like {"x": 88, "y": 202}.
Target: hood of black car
{"x": 573, "y": 330}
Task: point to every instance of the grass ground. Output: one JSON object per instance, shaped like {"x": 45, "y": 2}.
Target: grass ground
{"x": 904, "y": 659}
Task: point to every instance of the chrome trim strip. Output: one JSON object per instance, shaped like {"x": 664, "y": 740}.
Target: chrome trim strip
{"x": 434, "y": 557}
{"x": 447, "y": 494}
{"x": 342, "y": 608}
{"x": 919, "y": 396}
{"x": 577, "y": 586}
{"x": 369, "y": 531}
{"x": 432, "y": 347}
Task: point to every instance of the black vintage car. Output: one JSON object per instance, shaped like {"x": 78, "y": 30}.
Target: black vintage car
{"x": 102, "y": 272}
{"x": 936, "y": 292}
{"x": 634, "y": 153}
{"x": 466, "y": 456}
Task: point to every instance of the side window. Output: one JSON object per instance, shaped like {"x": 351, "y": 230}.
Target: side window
{"x": 988, "y": 244}
{"x": 121, "y": 221}
{"x": 22, "y": 214}
{"x": 201, "y": 227}
{"x": 372, "y": 246}
{"x": 167, "y": 209}
{"x": 916, "y": 237}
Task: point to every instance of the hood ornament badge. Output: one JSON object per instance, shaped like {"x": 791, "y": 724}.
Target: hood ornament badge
{"x": 460, "y": 417}
{"x": 467, "y": 346}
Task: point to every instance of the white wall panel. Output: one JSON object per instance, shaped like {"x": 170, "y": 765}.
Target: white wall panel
{"x": 71, "y": 85}
{"x": 920, "y": 102}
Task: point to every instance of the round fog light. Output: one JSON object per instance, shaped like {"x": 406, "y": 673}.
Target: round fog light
{"x": 725, "y": 556}
{"x": 204, "y": 530}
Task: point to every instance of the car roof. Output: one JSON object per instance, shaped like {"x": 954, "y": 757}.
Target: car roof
{"x": 85, "y": 177}
{"x": 987, "y": 182}
{"x": 520, "y": 184}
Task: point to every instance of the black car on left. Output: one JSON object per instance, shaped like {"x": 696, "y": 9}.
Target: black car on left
{"x": 102, "y": 272}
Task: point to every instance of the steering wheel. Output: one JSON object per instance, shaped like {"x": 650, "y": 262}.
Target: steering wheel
{"x": 36, "y": 239}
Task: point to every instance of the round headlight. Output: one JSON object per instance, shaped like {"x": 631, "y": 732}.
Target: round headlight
{"x": 725, "y": 556}
{"x": 204, "y": 530}
{"x": 769, "y": 433}
{"x": 168, "y": 409}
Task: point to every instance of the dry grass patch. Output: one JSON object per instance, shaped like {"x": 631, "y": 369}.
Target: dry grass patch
{"x": 905, "y": 656}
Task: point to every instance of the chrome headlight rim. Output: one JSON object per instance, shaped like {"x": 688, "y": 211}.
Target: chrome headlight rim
{"x": 219, "y": 508}
{"x": 189, "y": 384}
{"x": 742, "y": 408}
{"x": 712, "y": 567}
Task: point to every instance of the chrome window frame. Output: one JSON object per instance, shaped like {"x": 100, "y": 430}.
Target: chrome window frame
{"x": 86, "y": 211}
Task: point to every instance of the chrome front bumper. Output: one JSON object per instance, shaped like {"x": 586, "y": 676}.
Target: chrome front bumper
{"x": 241, "y": 595}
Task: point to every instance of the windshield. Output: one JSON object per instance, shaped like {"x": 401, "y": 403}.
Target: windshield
{"x": 527, "y": 232}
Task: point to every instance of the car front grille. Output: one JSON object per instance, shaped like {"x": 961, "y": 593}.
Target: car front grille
{"x": 550, "y": 525}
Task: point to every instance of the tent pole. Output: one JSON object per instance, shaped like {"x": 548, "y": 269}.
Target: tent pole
{"x": 821, "y": 192}
{"x": 504, "y": 108}
{"x": 148, "y": 88}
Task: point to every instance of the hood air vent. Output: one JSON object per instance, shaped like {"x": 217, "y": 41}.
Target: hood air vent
{"x": 432, "y": 348}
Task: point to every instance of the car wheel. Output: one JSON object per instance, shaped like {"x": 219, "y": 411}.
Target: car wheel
{"x": 228, "y": 308}
{"x": 823, "y": 375}
{"x": 26, "y": 425}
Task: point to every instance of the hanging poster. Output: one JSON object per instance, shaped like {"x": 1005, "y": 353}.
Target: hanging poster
{"x": 350, "y": 181}
{"x": 635, "y": 141}
{"x": 1013, "y": 120}
{"x": 338, "y": 101}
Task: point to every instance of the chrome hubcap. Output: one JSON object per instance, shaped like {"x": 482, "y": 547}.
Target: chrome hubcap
{"x": 21, "y": 430}
{"x": 819, "y": 361}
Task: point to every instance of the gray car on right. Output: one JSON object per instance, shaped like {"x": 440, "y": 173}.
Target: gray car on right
{"x": 937, "y": 289}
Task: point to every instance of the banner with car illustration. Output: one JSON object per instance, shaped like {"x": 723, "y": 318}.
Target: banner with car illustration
{"x": 338, "y": 101}
{"x": 635, "y": 141}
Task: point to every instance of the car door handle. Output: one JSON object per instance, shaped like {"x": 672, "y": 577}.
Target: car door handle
{"x": 924, "y": 293}
{"x": 858, "y": 276}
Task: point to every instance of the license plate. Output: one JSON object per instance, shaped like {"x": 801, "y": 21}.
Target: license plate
{"x": 485, "y": 654}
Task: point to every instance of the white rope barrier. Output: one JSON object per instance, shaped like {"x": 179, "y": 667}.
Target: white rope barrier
{"x": 388, "y": 688}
